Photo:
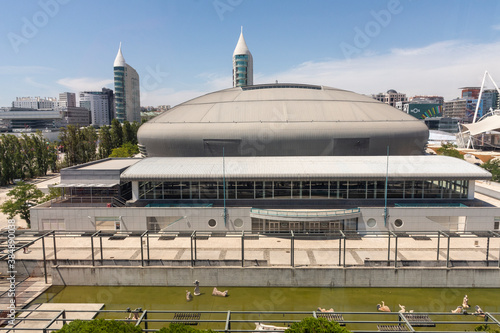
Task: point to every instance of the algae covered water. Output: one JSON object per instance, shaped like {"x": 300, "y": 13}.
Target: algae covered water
{"x": 278, "y": 299}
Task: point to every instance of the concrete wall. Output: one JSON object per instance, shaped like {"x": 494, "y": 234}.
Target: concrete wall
{"x": 135, "y": 218}
{"x": 196, "y": 218}
{"x": 430, "y": 218}
{"x": 277, "y": 277}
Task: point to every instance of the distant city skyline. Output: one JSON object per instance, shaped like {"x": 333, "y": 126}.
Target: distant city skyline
{"x": 183, "y": 49}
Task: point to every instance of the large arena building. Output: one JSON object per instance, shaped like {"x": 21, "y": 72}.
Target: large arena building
{"x": 282, "y": 120}
{"x": 274, "y": 158}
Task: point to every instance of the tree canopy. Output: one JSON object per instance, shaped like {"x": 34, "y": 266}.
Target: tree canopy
{"x": 493, "y": 166}
{"x": 449, "y": 149}
{"x": 22, "y": 198}
{"x": 27, "y": 156}
{"x": 99, "y": 326}
{"x": 316, "y": 325}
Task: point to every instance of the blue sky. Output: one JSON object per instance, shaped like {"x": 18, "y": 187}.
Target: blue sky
{"x": 182, "y": 49}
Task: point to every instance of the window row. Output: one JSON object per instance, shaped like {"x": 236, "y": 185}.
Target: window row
{"x": 418, "y": 189}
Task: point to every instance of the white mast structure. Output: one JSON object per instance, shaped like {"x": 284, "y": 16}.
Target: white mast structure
{"x": 479, "y": 102}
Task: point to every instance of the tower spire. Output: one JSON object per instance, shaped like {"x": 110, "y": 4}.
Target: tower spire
{"x": 242, "y": 63}
{"x": 119, "y": 60}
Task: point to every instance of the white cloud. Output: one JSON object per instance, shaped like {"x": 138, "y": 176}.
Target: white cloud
{"x": 84, "y": 83}
{"x": 495, "y": 27}
{"x": 436, "y": 69}
{"x": 169, "y": 96}
{"x": 24, "y": 70}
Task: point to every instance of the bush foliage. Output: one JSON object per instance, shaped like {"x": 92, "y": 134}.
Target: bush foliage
{"x": 316, "y": 325}
{"x": 99, "y": 326}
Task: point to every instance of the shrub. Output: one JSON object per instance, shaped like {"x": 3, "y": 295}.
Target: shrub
{"x": 316, "y": 325}
{"x": 180, "y": 328}
{"x": 99, "y": 326}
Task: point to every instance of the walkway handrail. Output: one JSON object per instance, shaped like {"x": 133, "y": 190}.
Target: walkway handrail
{"x": 271, "y": 212}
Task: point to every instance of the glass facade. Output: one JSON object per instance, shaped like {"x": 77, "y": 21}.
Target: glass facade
{"x": 119, "y": 74}
{"x": 240, "y": 69}
{"x": 274, "y": 226}
{"x": 305, "y": 189}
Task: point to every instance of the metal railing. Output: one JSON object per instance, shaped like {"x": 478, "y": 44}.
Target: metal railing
{"x": 443, "y": 242}
{"x": 246, "y": 321}
{"x": 298, "y": 213}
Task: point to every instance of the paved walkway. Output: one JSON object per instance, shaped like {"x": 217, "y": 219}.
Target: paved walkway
{"x": 275, "y": 250}
{"x": 33, "y": 320}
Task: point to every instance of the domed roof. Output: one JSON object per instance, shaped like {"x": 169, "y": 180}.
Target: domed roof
{"x": 282, "y": 119}
{"x": 282, "y": 102}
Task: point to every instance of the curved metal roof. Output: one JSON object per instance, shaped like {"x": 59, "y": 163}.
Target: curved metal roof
{"x": 282, "y": 120}
{"x": 427, "y": 167}
{"x": 282, "y": 102}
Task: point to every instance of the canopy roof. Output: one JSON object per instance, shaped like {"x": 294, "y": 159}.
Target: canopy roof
{"x": 488, "y": 124}
{"x": 429, "y": 167}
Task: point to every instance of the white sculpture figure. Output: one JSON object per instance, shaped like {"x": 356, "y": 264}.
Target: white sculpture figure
{"x": 197, "y": 288}
{"x": 189, "y": 297}
{"x": 263, "y": 327}
{"x": 216, "y": 292}
{"x": 403, "y": 308}
{"x": 479, "y": 312}
{"x": 325, "y": 310}
{"x": 458, "y": 309}
{"x": 465, "y": 302}
{"x": 383, "y": 307}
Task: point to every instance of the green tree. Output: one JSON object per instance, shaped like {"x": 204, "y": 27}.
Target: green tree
{"x": 128, "y": 132}
{"x": 180, "y": 328}
{"x": 54, "y": 192}
{"x": 99, "y": 326}
{"x": 22, "y": 197}
{"x": 316, "y": 325}
{"x": 135, "y": 128}
{"x": 116, "y": 133}
{"x": 493, "y": 166}
{"x": 485, "y": 328}
{"x": 126, "y": 150}
{"x": 105, "y": 143}
{"x": 449, "y": 149}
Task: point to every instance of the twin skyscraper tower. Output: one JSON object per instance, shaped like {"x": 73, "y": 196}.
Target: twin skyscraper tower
{"x": 127, "y": 87}
{"x": 242, "y": 64}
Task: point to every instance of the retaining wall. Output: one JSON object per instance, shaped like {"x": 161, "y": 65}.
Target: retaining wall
{"x": 277, "y": 277}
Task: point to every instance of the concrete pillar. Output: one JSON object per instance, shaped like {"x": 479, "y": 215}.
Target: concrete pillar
{"x": 135, "y": 191}
{"x": 472, "y": 187}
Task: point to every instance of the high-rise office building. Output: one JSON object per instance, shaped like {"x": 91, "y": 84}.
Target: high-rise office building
{"x": 100, "y": 105}
{"x": 36, "y": 103}
{"x": 67, "y": 99}
{"x": 127, "y": 91}
{"x": 242, "y": 64}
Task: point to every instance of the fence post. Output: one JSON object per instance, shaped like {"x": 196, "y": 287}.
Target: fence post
{"x": 142, "y": 252}
{"x": 340, "y": 250}
{"x": 243, "y": 249}
{"x": 292, "y": 249}
{"x": 439, "y": 239}
{"x": 147, "y": 242}
{"x": 44, "y": 258}
{"x": 389, "y": 249}
{"x": 396, "y": 252}
{"x": 100, "y": 249}
{"x": 92, "y": 248}
{"x": 448, "y": 253}
{"x": 487, "y": 250}
{"x": 345, "y": 248}
{"x": 55, "y": 248}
